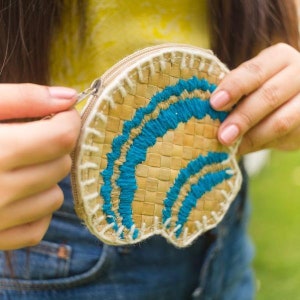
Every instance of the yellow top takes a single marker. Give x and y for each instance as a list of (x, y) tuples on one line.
[(116, 28)]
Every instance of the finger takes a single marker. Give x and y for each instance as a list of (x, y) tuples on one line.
[(28, 181), (278, 125), (26, 235), (35, 142), (31, 209), (32, 100), (250, 75), (259, 104)]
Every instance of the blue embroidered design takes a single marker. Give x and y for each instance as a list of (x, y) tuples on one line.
[(204, 185), (193, 167), (176, 113), (167, 119)]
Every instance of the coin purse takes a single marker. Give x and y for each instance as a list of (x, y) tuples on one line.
[(148, 160)]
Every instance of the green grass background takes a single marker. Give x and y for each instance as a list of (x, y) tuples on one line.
[(275, 227)]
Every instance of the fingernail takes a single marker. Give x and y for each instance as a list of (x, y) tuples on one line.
[(229, 134), (61, 92), (219, 99)]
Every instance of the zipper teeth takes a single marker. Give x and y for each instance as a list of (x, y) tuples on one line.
[(105, 79), (140, 54), (75, 152), (124, 62)]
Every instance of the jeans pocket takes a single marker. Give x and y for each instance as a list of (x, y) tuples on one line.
[(68, 256), (41, 273), (44, 261)]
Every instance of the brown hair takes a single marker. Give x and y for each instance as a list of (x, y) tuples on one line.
[(240, 28), (26, 28)]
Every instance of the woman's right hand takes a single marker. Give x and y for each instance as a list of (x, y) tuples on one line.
[(34, 157)]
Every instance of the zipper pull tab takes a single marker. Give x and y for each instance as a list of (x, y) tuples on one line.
[(92, 90)]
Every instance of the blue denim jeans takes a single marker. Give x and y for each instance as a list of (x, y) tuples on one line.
[(71, 264)]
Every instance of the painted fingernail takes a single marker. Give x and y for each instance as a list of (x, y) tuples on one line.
[(219, 99), (61, 92), (229, 134)]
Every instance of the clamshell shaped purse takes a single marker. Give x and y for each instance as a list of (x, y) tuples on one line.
[(148, 160)]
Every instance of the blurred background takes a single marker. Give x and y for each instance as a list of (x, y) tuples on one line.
[(275, 223)]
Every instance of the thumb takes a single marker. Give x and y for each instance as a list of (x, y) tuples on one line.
[(31, 100)]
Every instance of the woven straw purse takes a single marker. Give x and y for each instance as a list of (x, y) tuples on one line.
[(148, 160)]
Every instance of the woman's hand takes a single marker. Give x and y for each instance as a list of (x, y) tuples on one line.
[(34, 157), (265, 94)]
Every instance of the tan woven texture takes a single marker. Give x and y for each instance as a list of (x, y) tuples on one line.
[(117, 102)]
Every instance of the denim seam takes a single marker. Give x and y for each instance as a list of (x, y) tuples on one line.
[(216, 247), (66, 262)]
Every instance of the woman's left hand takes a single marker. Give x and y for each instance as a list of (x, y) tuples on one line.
[(264, 93)]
